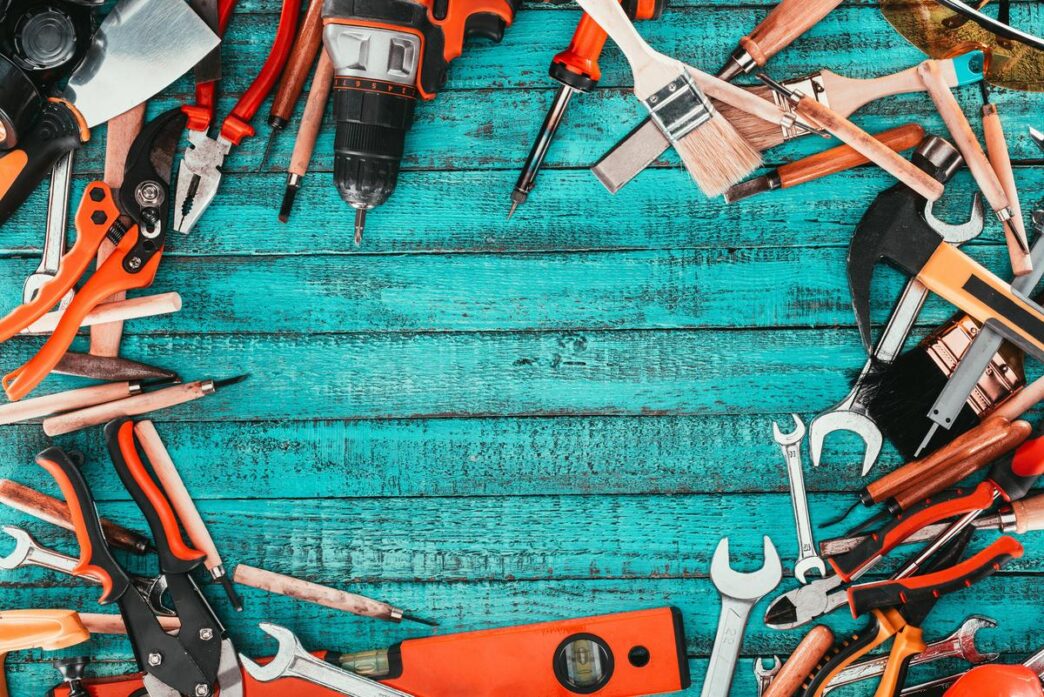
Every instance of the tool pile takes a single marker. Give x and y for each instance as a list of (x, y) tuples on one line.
[(952, 406)]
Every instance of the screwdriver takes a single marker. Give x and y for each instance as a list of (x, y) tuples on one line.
[(302, 57), (577, 70)]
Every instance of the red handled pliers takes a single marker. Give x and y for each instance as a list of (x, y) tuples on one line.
[(200, 173)]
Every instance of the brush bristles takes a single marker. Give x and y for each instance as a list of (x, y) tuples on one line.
[(761, 134), (717, 156)]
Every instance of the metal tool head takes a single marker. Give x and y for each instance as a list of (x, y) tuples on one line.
[(966, 636), (24, 542), (845, 420), (794, 436), (198, 179), (960, 233), (762, 672), (745, 586), (289, 647), (1037, 137), (806, 564), (145, 192)]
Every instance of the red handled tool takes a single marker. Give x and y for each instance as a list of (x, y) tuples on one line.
[(577, 70), (134, 219), (199, 175)]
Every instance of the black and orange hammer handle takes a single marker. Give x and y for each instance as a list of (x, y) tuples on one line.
[(176, 556), (870, 596), (60, 130), (96, 560)]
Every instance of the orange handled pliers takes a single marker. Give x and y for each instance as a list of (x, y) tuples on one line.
[(199, 174), (134, 218)]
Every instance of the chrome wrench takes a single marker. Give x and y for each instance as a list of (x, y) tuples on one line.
[(790, 444), (54, 233), (739, 594), (765, 675)]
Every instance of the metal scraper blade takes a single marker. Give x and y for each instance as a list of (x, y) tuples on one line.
[(110, 369), (208, 69), (141, 47)]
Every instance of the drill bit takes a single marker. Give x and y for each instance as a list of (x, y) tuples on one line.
[(360, 225)]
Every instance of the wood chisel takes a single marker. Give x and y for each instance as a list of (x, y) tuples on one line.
[(308, 133)]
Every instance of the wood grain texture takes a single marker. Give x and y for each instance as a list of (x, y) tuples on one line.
[(491, 423)]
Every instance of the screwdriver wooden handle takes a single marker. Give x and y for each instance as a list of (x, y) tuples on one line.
[(1029, 514), (1022, 401), (1010, 436), (51, 510), (802, 662), (786, 22), (97, 623), (312, 120), (135, 308), (1000, 161), (844, 157), (38, 407), (314, 593), (131, 406), (302, 58), (871, 148)]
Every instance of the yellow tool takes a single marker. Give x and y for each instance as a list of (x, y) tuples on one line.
[(31, 629)]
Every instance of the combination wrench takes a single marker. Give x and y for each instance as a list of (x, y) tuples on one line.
[(790, 444), (54, 233), (739, 594), (765, 675)]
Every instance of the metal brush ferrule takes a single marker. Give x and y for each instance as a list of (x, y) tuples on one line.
[(809, 86), (1002, 376), (679, 108)]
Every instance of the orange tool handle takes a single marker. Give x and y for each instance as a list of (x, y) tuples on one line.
[(96, 560), (908, 643), (877, 544), (175, 555), (786, 22), (888, 624), (302, 58), (237, 126), (455, 25), (926, 587), (201, 113), (581, 57), (843, 157)]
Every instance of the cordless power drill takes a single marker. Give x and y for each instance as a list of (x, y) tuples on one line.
[(387, 54)]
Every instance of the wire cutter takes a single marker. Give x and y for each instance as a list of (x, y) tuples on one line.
[(201, 655), (134, 218), (199, 175)]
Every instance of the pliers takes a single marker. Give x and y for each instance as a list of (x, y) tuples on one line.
[(201, 656), (199, 175), (134, 218)]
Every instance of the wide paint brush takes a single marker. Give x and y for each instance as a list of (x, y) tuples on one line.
[(713, 152)]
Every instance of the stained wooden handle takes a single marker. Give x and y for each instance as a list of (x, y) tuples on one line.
[(180, 499), (312, 592), (843, 157), (51, 510), (97, 623), (1000, 161), (135, 308), (131, 406), (737, 97), (1010, 438), (802, 661), (1029, 514), (1022, 401), (58, 402), (312, 120), (302, 58), (871, 148), (786, 22)]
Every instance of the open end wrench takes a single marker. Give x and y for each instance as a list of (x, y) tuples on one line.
[(765, 675), (790, 444), (292, 661), (740, 592), (850, 414), (54, 233)]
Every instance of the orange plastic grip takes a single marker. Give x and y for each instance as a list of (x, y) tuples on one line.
[(158, 500), (460, 11), (1028, 460), (581, 57)]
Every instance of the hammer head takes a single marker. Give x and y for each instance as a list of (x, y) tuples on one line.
[(279, 666)]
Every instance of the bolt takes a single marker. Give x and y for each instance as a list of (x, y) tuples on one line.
[(206, 634), (202, 690), (134, 263), (149, 194), (155, 659)]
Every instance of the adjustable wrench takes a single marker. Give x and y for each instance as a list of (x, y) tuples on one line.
[(790, 444), (960, 644), (850, 414), (292, 661), (739, 594), (765, 675), (54, 233)]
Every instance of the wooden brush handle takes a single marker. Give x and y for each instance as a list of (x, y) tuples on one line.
[(312, 592), (135, 308), (871, 148), (302, 58), (180, 499), (51, 510), (1029, 514), (1022, 401), (945, 477), (963, 136), (131, 406), (786, 22), (312, 120), (737, 97), (1000, 161), (38, 407), (802, 662), (97, 623), (646, 64), (843, 157)]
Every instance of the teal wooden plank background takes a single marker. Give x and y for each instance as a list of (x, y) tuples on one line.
[(494, 423)]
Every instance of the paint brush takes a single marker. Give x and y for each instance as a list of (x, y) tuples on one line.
[(713, 152)]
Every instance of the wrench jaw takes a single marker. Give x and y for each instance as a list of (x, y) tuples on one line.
[(803, 566), (791, 438), (845, 420), (965, 637), (289, 646), (744, 586), (23, 545)]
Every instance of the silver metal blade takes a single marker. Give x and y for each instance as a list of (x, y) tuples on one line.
[(140, 48), (208, 69)]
